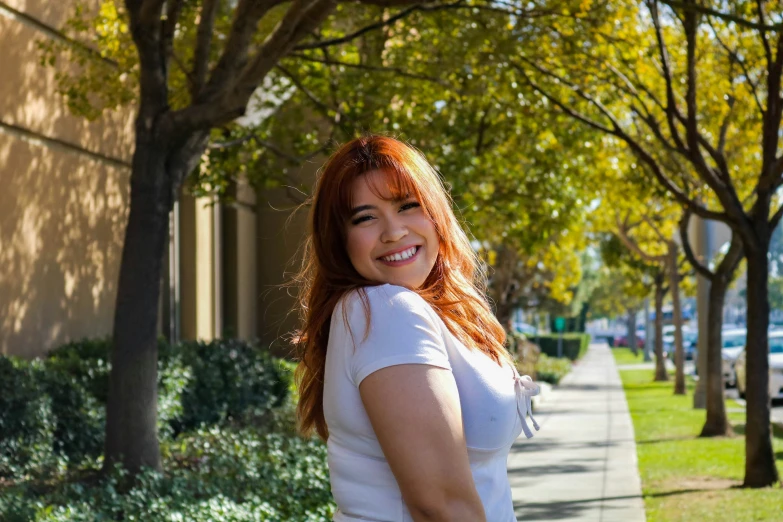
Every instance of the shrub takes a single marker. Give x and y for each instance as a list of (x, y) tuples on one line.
[(574, 344), (199, 384), (79, 420), (552, 369), (231, 380), (215, 474), (26, 421), (52, 412)]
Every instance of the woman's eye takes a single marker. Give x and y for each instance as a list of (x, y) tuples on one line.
[(411, 204), (361, 219)]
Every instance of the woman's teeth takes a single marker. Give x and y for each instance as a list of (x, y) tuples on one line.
[(401, 256)]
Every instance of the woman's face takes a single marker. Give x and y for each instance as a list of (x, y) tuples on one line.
[(389, 241)]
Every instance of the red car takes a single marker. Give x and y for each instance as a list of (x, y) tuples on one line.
[(622, 340)]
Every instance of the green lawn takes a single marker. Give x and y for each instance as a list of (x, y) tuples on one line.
[(626, 356), (685, 478)]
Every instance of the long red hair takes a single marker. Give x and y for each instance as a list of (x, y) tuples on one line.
[(455, 288)]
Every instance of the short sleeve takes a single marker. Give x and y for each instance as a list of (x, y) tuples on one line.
[(402, 330)]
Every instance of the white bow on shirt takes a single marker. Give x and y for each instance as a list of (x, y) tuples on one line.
[(525, 389)]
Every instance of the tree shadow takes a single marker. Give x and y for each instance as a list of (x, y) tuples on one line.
[(668, 439), (568, 509), (63, 203)]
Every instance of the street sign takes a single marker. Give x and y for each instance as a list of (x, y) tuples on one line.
[(559, 324)]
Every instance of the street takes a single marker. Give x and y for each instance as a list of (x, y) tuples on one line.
[(777, 406)]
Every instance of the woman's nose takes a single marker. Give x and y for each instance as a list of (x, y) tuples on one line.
[(393, 231)]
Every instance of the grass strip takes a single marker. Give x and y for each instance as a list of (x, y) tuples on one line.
[(686, 478), (626, 356)]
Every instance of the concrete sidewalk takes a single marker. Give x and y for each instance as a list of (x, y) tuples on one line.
[(582, 465)]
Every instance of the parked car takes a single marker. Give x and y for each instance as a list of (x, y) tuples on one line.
[(527, 329), (775, 367), (733, 342), (689, 341), (622, 340)]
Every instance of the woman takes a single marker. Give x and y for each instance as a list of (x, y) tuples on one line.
[(403, 367)]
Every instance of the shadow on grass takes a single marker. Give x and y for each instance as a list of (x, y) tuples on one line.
[(777, 430), (571, 509), (668, 439)]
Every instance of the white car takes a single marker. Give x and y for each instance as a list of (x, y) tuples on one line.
[(733, 343), (689, 337), (775, 367)]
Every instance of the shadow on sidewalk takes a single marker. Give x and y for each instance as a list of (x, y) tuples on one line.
[(590, 387), (562, 510)]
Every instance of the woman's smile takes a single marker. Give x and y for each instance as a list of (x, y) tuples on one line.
[(401, 257)]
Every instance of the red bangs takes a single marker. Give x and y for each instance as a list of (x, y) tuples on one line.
[(395, 184)]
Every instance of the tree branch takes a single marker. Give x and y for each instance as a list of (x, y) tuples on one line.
[(686, 247), (379, 25), (622, 233), (770, 176), (236, 51), (149, 10), (395, 70), (773, 223), (721, 182), (617, 130), (693, 7), (201, 54), (672, 112), (734, 56), (655, 229), (145, 28), (173, 9), (762, 34), (322, 107)]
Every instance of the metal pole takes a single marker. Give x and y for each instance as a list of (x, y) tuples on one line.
[(560, 345)]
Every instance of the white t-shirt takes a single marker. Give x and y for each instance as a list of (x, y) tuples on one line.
[(404, 329)]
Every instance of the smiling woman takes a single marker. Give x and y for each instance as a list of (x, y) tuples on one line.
[(389, 239), (403, 367)]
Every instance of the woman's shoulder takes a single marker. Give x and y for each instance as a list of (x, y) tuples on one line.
[(385, 296), (385, 302)]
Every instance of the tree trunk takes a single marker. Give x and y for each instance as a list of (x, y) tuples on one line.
[(660, 365), (760, 470), (679, 353), (503, 313), (158, 169), (716, 423), (131, 409), (632, 331)]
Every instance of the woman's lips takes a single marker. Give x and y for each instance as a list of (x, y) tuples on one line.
[(402, 262)]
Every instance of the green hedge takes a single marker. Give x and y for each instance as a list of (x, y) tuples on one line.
[(52, 411), (551, 369), (226, 474), (574, 344), (226, 414)]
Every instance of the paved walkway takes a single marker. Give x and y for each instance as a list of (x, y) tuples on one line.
[(581, 466)]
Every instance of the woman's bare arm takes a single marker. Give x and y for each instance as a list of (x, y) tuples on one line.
[(415, 412)]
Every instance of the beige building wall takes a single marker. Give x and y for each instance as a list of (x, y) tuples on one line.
[(282, 226), (64, 184), (63, 195)]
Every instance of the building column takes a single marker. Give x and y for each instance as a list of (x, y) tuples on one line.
[(200, 271), (240, 290)]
